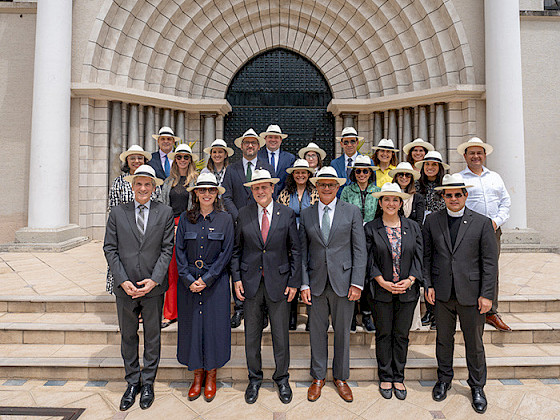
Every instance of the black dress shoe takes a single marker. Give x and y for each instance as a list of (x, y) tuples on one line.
[(386, 393), (427, 318), (252, 392), (433, 325), (353, 325), (293, 321), (367, 323), (399, 393), (479, 402), (439, 392), (236, 319), (285, 392), (129, 396), (146, 396)]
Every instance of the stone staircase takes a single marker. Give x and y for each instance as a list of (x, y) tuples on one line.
[(77, 338)]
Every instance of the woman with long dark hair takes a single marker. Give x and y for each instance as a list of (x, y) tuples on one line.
[(405, 176), (385, 158), (204, 245), (218, 159), (416, 150)]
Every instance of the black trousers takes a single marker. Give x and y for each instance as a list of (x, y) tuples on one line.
[(494, 309), (392, 325), (128, 310), (279, 326), (472, 326)]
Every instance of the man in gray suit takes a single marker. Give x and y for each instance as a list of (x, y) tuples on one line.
[(138, 248), (460, 269), (334, 262)]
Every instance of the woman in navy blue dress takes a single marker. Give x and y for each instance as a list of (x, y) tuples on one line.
[(204, 245)]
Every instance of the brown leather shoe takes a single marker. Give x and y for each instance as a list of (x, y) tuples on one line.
[(210, 385), (496, 321), (314, 391), (196, 387), (343, 390)]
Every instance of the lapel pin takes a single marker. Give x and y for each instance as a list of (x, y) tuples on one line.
[(464, 221), (405, 232), (278, 213), (211, 229)]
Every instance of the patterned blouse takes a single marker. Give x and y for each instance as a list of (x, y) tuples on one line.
[(434, 200), (394, 235)]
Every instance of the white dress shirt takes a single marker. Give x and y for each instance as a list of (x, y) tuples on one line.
[(253, 165), (488, 196), (146, 212), (353, 157), (269, 210)]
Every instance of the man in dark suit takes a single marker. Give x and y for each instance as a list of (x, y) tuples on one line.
[(278, 159), (138, 248), (334, 262), (237, 195), (460, 267), (266, 270), (160, 160)]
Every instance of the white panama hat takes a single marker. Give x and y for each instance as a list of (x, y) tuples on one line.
[(326, 173), (135, 150), (433, 156), (452, 181), (168, 132), (312, 147), (219, 144), (405, 167), (363, 161), (418, 142), (183, 148), (392, 189), (273, 130), (386, 144), (474, 141), (207, 180), (250, 133), (300, 164), (259, 176), (349, 132), (144, 170)]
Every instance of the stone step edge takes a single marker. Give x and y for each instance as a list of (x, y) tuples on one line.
[(529, 248)]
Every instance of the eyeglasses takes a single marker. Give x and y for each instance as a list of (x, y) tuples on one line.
[(181, 157), (361, 171), (405, 175), (210, 190), (136, 158), (326, 186), (456, 195), (347, 142), (250, 143)]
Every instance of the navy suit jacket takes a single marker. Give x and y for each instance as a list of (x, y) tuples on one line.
[(340, 165), (285, 161), (155, 163), (237, 195)]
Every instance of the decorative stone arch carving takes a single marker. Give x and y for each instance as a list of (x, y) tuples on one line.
[(365, 48)]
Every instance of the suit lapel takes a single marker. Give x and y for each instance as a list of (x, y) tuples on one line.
[(275, 221), (383, 233), (338, 214), (129, 210), (315, 222), (255, 222), (152, 218), (465, 224), (242, 176), (442, 219)]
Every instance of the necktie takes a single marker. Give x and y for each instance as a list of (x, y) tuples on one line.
[(272, 163), (249, 174), (167, 167), (140, 218), (265, 225), (326, 224), (349, 167)]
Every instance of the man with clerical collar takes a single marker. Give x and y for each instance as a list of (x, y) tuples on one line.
[(460, 269)]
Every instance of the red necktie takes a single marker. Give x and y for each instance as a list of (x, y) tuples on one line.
[(265, 225)]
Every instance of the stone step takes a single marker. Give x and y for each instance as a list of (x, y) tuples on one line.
[(106, 303), (103, 362), (60, 328), (529, 248)]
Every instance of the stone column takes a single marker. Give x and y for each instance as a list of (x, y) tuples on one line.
[(393, 128), (115, 141), (180, 126), (209, 129), (408, 114), (133, 125), (423, 123), (377, 127), (349, 120), (149, 128), (440, 138), (49, 191), (504, 102)]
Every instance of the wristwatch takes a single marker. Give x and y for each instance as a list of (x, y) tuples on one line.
[(412, 283)]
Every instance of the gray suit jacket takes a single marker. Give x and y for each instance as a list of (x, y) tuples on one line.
[(472, 264), (343, 258), (131, 257)]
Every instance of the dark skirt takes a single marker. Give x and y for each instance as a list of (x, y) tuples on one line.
[(204, 331)]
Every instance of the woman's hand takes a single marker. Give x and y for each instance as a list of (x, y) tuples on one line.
[(197, 286), (402, 286)]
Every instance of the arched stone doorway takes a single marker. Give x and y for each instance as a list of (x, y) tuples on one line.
[(281, 87)]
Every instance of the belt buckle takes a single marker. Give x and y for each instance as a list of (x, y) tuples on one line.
[(199, 264)]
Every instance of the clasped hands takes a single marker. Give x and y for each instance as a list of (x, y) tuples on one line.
[(197, 286), (144, 287), (395, 288)]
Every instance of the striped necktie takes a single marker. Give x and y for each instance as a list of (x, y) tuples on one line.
[(140, 221), (326, 224), (265, 225)]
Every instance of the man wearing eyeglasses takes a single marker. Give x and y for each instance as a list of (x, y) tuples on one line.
[(460, 269), (349, 141)]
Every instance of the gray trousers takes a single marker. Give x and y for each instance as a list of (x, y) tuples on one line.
[(128, 310), (494, 309), (279, 313), (341, 310)]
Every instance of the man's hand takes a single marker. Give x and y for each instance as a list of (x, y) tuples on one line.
[(148, 285), (130, 289), (291, 292), (494, 225), (306, 296), (430, 296), (197, 286), (354, 293), (239, 291), (484, 304)]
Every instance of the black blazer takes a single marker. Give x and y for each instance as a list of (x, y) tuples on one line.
[(285, 161), (418, 209), (155, 162), (472, 263), (380, 258), (236, 195), (279, 258)]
